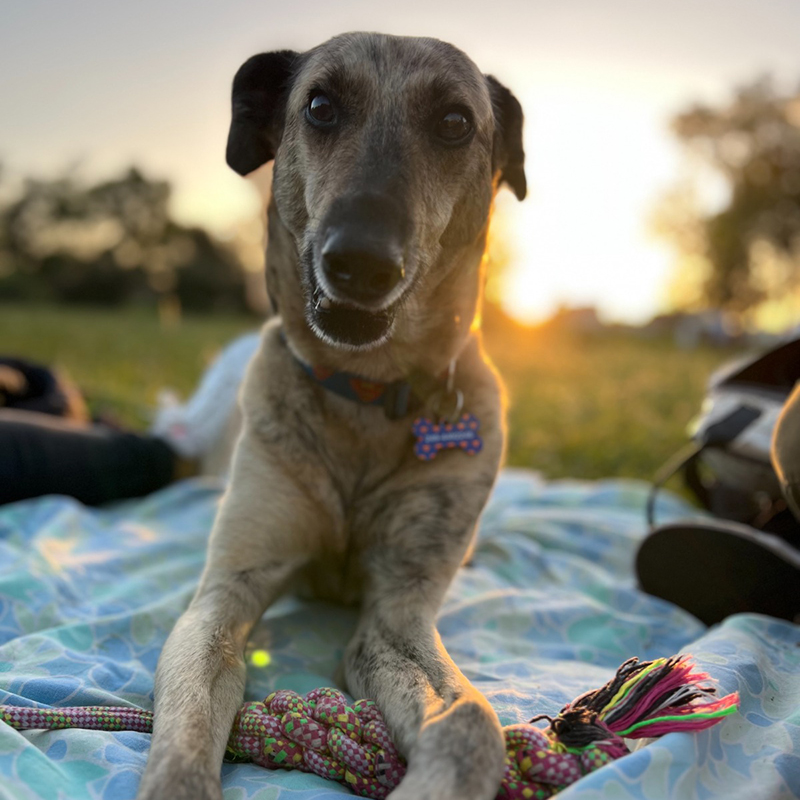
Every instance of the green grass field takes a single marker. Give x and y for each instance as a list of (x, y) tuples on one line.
[(587, 408)]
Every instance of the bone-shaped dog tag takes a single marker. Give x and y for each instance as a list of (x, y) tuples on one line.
[(433, 437)]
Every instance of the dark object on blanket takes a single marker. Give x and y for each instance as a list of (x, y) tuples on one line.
[(716, 568), (29, 386), (322, 734), (743, 465), (49, 446)]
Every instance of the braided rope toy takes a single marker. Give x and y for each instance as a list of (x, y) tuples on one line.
[(323, 734)]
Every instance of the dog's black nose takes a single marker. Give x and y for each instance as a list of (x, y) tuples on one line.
[(363, 243), (363, 271)]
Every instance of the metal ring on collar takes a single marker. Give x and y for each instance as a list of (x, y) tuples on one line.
[(437, 404)]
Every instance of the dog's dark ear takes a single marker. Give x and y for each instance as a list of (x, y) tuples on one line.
[(509, 157), (259, 98)]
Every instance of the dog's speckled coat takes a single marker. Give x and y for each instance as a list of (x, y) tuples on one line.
[(327, 491)]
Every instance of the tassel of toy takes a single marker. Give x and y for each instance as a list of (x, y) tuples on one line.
[(644, 699)]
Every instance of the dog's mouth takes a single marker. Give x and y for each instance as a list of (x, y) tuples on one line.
[(344, 324)]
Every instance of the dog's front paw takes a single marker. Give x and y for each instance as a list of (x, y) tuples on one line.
[(179, 780), (459, 755)]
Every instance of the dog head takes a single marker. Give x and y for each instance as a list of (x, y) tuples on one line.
[(388, 151)]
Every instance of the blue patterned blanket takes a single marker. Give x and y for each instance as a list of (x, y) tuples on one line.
[(547, 610)]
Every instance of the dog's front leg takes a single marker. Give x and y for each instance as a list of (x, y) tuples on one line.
[(199, 686), (446, 729), (254, 549)]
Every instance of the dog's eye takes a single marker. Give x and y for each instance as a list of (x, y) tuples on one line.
[(453, 127), (320, 110)]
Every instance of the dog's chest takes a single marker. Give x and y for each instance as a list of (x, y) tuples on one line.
[(360, 463), (335, 578)]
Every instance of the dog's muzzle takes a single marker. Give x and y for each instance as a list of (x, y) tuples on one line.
[(358, 270)]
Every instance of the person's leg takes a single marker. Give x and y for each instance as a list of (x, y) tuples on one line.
[(41, 454), (786, 451)]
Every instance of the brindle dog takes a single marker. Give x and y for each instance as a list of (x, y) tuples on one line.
[(388, 152)]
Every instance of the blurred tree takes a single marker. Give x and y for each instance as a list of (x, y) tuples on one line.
[(748, 252), (212, 279), (110, 243)]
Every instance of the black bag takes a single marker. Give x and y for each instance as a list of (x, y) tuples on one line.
[(727, 465), (748, 558)]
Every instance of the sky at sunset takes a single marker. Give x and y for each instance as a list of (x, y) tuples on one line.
[(106, 84)]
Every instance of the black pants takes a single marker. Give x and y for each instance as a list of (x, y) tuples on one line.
[(42, 454)]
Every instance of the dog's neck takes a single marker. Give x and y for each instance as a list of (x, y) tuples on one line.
[(430, 330)]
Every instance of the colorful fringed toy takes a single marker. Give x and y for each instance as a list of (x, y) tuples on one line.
[(322, 733)]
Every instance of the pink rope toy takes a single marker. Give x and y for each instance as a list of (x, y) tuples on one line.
[(323, 734)]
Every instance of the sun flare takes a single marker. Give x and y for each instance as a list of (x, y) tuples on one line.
[(596, 163)]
